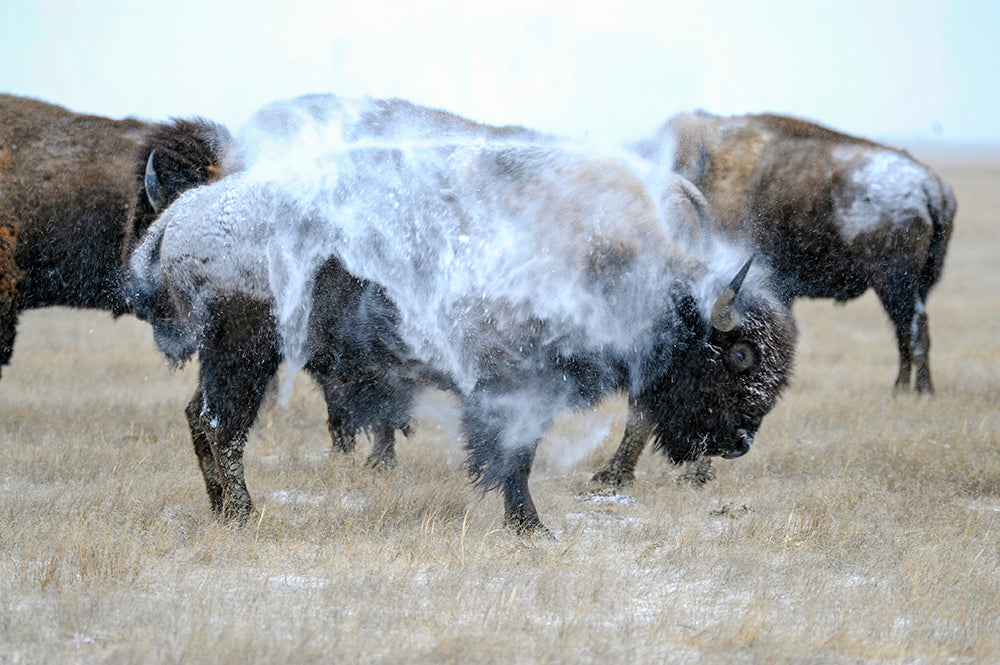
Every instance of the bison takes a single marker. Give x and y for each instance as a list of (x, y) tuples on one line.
[(525, 277), (832, 214), (65, 193)]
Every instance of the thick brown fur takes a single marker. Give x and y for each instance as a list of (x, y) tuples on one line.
[(186, 153), (65, 193), (784, 186)]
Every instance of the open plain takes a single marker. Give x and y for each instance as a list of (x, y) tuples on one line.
[(862, 527)]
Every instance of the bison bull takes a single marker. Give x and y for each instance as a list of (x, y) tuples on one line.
[(525, 278), (833, 215)]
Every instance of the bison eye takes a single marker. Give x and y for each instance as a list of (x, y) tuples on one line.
[(740, 357)]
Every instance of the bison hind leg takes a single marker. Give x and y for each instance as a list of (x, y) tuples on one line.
[(920, 339), (499, 464), (902, 302)]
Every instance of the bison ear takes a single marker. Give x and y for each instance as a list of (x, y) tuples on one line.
[(724, 314), (154, 192)]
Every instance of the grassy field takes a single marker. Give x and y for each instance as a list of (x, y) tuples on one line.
[(862, 527)]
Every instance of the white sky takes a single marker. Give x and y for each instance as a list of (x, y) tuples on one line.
[(915, 71)]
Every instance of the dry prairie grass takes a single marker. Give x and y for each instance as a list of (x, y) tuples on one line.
[(861, 528)]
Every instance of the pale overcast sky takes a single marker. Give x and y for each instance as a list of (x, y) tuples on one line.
[(922, 70)]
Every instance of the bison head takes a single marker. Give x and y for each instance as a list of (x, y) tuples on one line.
[(175, 157), (724, 377)]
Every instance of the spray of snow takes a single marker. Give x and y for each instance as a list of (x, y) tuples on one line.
[(474, 240)]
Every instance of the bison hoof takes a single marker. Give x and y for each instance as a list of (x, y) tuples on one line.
[(612, 476), (529, 527), (381, 461), (696, 473), (342, 442), (238, 515)]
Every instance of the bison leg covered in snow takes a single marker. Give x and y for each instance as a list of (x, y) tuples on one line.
[(833, 215), (526, 279)]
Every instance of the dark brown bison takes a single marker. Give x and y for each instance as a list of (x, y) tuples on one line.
[(833, 215), (526, 278), (65, 193)]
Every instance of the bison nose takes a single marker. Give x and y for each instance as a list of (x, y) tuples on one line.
[(743, 442)]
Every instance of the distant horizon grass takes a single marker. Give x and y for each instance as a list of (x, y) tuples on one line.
[(862, 527)]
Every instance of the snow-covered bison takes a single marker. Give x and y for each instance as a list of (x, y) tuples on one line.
[(65, 193), (526, 278), (833, 215)]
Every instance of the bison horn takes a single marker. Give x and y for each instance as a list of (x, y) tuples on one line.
[(154, 192), (724, 315)]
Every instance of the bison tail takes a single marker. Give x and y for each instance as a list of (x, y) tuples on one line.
[(942, 208)]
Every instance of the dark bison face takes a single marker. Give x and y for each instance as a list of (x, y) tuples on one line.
[(717, 390)]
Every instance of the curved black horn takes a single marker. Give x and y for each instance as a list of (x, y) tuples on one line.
[(724, 315), (154, 193)]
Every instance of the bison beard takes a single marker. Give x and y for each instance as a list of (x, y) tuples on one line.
[(526, 279)]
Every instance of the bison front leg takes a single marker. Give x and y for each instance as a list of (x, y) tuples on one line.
[(383, 455), (219, 433), (520, 513), (203, 451), (239, 356), (343, 438), (338, 416), (620, 469)]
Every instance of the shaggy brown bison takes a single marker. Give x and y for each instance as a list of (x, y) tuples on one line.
[(833, 215), (526, 278), (65, 193)]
